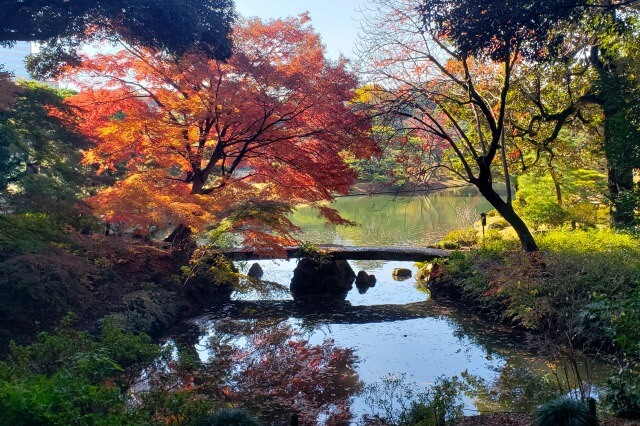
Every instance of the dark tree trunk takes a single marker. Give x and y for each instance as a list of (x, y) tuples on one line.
[(619, 181), (197, 185), (506, 211), (182, 244)]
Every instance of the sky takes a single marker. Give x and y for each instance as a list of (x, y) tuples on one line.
[(335, 20)]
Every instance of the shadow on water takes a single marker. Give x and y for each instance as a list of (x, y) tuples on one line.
[(324, 312)]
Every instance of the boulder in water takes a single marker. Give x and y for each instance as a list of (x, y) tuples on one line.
[(365, 281), (255, 271), (401, 273), (362, 279), (313, 278)]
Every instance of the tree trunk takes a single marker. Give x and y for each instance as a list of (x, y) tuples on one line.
[(505, 167), (556, 184), (506, 211), (182, 244), (197, 185), (619, 181)]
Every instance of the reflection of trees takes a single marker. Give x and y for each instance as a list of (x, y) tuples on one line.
[(525, 382), (531, 374), (258, 362), (269, 369), (386, 220), (516, 388), (368, 265)]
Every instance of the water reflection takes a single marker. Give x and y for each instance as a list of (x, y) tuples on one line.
[(393, 328), (516, 388), (385, 220), (269, 369), (276, 357)]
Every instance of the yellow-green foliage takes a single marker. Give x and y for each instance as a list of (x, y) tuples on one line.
[(498, 224), (581, 198), (591, 242), (580, 284), (457, 238)]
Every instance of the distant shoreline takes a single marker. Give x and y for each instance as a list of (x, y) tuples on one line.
[(370, 188)]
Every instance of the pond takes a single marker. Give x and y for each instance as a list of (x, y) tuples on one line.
[(325, 360), (385, 220)]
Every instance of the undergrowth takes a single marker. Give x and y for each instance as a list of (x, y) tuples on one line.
[(582, 289)]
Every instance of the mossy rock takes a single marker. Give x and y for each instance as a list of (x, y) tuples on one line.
[(313, 278), (401, 273)]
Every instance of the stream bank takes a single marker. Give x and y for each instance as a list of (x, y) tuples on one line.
[(578, 295), (96, 276)]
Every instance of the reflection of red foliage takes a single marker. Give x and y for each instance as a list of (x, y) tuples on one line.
[(279, 375), (267, 370)]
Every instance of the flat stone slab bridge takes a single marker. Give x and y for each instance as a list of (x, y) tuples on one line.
[(415, 254)]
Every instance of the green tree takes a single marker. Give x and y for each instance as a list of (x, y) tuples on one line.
[(177, 26), (551, 32), (616, 58), (40, 167)]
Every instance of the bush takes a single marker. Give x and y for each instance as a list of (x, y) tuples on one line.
[(496, 242), (544, 212), (466, 237), (622, 395), (37, 290), (70, 377), (461, 276), (230, 417), (27, 233), (209, 277), (564, 412), (447, 245), (582, 282), (498, 224), (150, 311), (586, 214), (594, 241)]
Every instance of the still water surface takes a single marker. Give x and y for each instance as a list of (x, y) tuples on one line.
[(277, 357), (385, 220)]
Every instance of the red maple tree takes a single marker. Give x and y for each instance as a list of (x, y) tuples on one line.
[(194, 137)]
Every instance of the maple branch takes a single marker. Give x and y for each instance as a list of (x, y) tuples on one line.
[(167, 78)]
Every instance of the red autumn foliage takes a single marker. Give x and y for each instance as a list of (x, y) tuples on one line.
[(194, 137)]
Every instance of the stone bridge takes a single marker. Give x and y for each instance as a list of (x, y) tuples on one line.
[(414, 254)]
